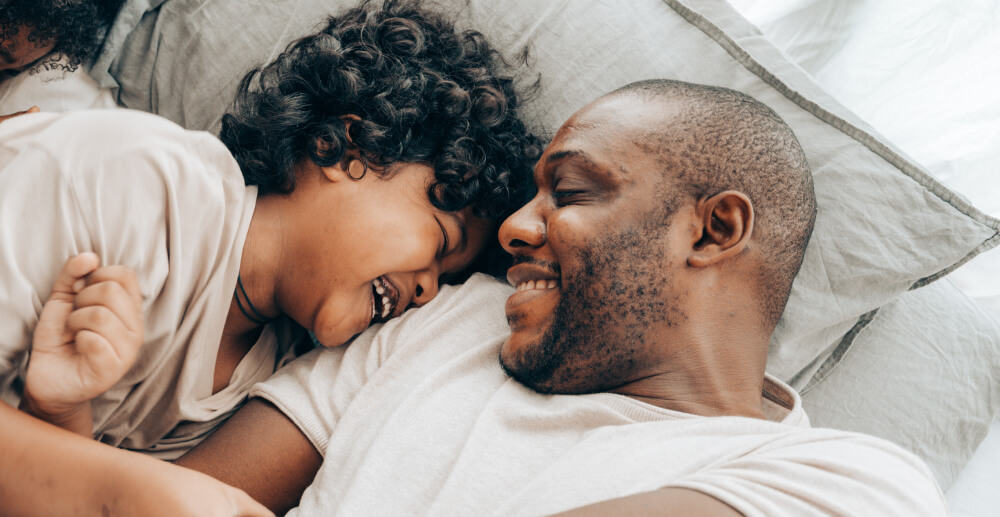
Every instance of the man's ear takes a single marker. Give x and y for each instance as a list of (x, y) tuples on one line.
[(726, 227)]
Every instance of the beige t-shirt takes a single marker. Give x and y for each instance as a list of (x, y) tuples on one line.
[(139, 191), (416, 417), (50, 87)]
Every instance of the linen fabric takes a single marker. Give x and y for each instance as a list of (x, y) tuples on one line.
[(417, 417), (142, 192), (940, 374)]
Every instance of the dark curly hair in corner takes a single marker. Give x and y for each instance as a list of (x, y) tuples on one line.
[(424, 93), (77, 27)]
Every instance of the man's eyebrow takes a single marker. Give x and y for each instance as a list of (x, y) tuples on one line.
[(598, 169), (575, 154)]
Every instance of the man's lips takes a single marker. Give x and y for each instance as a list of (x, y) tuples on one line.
[(526, 269), (532, 281)]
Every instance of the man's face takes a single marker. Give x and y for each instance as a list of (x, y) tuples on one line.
[(593, 265)]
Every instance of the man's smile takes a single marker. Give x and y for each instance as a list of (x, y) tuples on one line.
[(533, 280)]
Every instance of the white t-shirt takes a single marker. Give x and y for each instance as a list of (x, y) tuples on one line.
[(142, 192), (416, 417)]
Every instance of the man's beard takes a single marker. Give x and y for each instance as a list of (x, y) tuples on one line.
[(597, 337)]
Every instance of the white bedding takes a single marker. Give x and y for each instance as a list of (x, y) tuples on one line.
[(924, 74)]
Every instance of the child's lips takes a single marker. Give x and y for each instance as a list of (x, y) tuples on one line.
[(385, 299)]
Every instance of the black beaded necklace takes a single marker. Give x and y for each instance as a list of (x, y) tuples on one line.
[(257, 317)]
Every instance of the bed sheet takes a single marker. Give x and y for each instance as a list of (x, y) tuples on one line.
[(924, 74)]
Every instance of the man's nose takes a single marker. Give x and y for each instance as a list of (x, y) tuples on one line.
[(524, 229)]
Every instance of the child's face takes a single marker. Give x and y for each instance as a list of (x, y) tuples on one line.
[(377, 246), (17, 52)]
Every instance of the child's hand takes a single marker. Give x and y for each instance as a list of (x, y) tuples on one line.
[(33, 109), (87, 338)]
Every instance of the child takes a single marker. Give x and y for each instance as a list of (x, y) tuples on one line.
[(377, 155)]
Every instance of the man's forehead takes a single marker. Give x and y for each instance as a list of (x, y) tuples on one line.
[(625, 110), (610, 128)]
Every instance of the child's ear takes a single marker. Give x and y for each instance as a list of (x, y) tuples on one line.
[(349, 120), (352, 167), (726, 224)]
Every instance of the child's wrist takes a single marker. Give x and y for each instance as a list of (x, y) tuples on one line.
[(74, 417)]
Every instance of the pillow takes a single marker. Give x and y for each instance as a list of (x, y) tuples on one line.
[(933, 391), (125, 22), (884, 225), (184, 58)]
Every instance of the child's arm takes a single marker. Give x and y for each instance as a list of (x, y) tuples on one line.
[(45, 470), (33, 109), (87, 338)]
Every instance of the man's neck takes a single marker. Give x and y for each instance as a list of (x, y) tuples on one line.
[(716, 374), (703, 397)]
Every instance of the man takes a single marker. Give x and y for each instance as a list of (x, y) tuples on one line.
[(650, 270)]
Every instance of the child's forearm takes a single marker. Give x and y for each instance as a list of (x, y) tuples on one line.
[(45, 470)]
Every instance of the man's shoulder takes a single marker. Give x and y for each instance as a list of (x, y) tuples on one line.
[(852, 469), (472, 312), (763, 467)]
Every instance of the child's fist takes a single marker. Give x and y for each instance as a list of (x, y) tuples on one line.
[(87, 337)]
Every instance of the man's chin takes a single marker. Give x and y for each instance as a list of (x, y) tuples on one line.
[(524, 363)]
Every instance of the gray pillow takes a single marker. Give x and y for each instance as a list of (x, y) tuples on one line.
[(923, 374)]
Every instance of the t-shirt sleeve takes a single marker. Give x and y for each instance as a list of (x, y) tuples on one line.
[(823, 472), (39, 228), (315, 390), (111, 182)]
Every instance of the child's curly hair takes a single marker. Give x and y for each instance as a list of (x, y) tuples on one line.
[(424, 93), (77, 27)]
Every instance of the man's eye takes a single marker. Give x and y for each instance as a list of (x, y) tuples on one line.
[(567, 197)]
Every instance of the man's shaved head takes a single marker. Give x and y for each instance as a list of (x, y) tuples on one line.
[(721, 139)]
